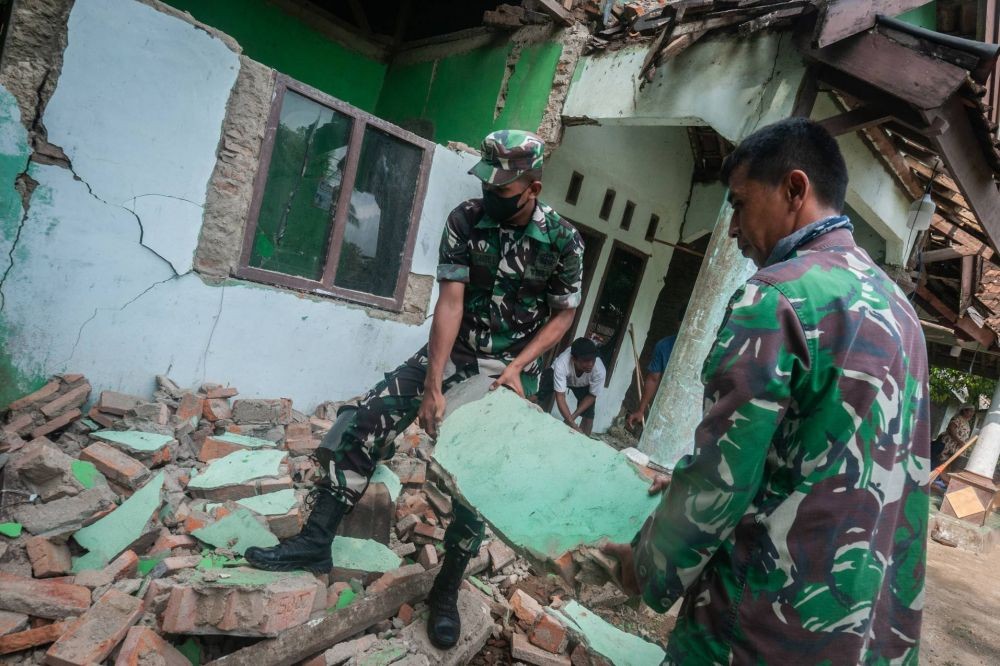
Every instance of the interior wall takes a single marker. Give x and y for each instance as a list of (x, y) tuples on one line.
[(650, 166)]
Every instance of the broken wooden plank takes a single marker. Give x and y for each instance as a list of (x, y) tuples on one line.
[(886, 149), (960, 236), (556, 11), (968, 284), (937, 305), (768, 20), (922, 81), (945, 254), (308, 639), (844, 18), (855, 120), (980, 334)]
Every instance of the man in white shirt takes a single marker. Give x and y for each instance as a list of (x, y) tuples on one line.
[(582, 372)]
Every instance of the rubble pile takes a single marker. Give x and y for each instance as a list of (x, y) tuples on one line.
[(124, 528)]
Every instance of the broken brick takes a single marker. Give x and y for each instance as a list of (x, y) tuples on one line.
[(248, 603), (116, 465), (298, 431), (156, 412), (406, 525), (144, 646), (69, 400), (100, 417), (412, 503), (56, 423), (501, 555), (301, 447), (168, 566), (221, 392), (48, 559), (521, 649), (124, 566), (119, 404), (42, 598), (168, 541), (427, 557), (334, 591), (190, 407), (216, 409), (549, 634), (46, 470), (405, 613), (32, 637), (428, 531), (410, 470), (525, 607), (277, 411), (11, 623), (91, 639), (41, 394), (390, 578)]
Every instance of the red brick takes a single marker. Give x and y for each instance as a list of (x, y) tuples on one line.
[(11, 623), (20, 425), (201, 606), (92, 638), (143, 646), (286, 525), (112, 402), (301, 447), (48, 559), (168, 541), (42, 598), (222, 392), (390, 578), (68, 400), (500, 555), (124, 566), (318, 660), (100, 417), (32, 637), (428, 531), (298, 431), (216, 409), (71, 378), (522, 650), (410, 471), (46, 391), (567, 568), (117, 465), (56, 423), (168, 566), (427, 557), (405, 613), (217, 448), (525, 607), (411, 503), (190, 406), (549, 634), (406, 525)]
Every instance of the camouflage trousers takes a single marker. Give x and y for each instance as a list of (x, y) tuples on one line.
[(366, 429)]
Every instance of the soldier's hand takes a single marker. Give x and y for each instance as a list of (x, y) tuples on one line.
[(431, 411), (634, 419), (623, 553), (660, 483), (511, 378)]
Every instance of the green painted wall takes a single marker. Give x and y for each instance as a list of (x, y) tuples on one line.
[(292, 47), (924, 16), (454, 98)]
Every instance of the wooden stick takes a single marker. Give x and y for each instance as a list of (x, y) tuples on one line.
[(638, 372), (315, 636), (940, 468)]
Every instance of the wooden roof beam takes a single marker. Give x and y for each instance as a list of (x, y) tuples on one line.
[(854, 120), (844, 18)]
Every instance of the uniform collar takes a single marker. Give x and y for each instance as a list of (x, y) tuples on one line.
[(536, 228), (787, 245)]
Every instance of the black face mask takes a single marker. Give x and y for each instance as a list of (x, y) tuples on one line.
[(501, 209)]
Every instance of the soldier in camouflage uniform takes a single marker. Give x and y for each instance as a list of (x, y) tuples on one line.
[(510, 273), (796, 532)]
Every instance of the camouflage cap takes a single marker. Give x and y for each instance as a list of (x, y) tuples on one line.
[(507, 154)]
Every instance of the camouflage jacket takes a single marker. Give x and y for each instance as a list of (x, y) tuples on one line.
[(797, 531), (514, 277)]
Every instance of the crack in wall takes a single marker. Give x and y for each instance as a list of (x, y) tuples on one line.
[(766, 83), (211, 334), (687, 208), (26, 182)]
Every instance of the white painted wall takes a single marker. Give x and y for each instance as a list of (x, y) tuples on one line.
[(650, 166), (139, 108)]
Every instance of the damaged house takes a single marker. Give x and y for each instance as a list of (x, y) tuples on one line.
[(253, 191)]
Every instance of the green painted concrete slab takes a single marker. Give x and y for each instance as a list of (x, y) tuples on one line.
[(86, 473), (135, 439), (12, 530), (245, 440), (617, 646), (115, 532), (385, 475), (239, 467), (237, 532), (270, 504), (543, 486), (363, 555)]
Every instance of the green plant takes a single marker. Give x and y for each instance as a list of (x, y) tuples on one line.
[(946, 382)]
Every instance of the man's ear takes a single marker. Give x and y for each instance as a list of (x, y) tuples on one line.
[(797, 188), (536, 187)]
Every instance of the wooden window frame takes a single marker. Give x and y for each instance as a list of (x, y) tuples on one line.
[(574, 188), (631, 304), (360, 122)]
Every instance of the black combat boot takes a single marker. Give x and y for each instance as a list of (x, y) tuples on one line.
[(310, 548), (444, 625)]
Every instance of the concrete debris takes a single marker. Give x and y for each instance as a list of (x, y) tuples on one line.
[(136, 509)]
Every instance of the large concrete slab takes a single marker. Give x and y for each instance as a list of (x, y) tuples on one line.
[(109, 536), (236, 532), (363, 555), (544, 488), (238, 468)]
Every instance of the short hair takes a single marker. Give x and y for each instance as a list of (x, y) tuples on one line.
[(794, 143), (583, 349)]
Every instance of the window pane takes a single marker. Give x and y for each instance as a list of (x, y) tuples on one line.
[(379, 218), (303, 183), (609, 322)]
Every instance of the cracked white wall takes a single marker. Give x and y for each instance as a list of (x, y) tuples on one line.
[(138, 109)]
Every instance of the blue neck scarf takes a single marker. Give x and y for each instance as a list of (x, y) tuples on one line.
[(797, 239)]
